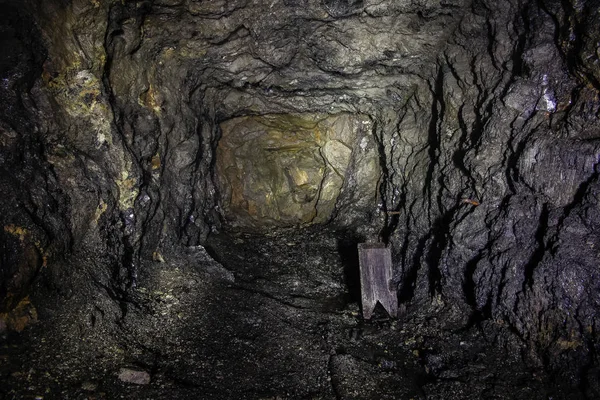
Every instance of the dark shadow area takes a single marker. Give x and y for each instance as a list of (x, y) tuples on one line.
[(214, 254), (347, 246), (409, 281), (380, 315)]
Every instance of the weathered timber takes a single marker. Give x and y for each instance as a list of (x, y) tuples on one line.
[(375, 260)]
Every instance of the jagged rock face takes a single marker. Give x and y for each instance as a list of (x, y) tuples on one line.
[(484, 115), (32, 225), (292, 170)]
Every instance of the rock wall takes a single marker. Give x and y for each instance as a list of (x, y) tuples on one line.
[(33, 226), (485, 116), (287, 170), (496, 178)]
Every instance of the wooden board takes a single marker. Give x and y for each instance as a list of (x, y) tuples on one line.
[(375, 261)]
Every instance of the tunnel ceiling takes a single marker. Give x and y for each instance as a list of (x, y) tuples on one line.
[(125, 127), (258, 57)]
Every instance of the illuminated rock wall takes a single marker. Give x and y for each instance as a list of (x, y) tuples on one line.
[(291, 170)]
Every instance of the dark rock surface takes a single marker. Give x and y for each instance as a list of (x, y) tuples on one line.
[(277, 325), (485, 117)]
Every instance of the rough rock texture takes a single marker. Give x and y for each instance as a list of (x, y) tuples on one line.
[(293, 170), (485, 120), (278, 324)]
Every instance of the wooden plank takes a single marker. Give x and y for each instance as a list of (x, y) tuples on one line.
[(375, 261)]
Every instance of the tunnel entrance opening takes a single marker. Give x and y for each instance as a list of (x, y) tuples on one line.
[(295, 170)]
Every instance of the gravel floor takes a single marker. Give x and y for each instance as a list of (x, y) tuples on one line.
[(276, 318)]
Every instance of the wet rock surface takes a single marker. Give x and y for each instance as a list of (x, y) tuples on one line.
[(484, 117)]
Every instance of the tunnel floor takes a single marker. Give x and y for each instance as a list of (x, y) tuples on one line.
[(277, 317)]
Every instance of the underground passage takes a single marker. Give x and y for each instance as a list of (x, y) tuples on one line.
[(333, 199), (290, 170)]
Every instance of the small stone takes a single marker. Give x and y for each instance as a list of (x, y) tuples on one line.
[(89, 386), (156, 256), (133, 376)]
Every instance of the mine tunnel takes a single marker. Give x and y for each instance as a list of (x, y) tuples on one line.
[(185, 187)]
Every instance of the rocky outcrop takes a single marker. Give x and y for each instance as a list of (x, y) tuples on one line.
[(507, 160), (33, 227), (294, 170), (484, 117)]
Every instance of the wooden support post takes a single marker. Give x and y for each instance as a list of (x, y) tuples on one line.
[(375, 261)]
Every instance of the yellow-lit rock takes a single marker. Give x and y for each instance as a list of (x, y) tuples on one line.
[(287, 170)]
